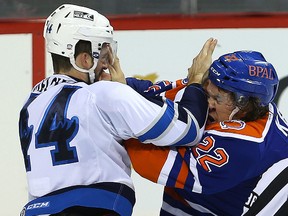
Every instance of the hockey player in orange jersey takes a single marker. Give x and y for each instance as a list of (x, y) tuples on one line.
[(245, 134)]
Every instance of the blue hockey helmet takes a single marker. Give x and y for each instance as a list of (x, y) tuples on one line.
[(246, 74)]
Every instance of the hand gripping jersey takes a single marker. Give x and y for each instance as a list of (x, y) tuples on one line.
[(217, 176), (71, 136)]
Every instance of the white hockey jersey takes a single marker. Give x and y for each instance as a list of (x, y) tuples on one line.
[(71, 135)]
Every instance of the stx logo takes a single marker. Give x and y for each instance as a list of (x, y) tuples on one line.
[(259, 71)]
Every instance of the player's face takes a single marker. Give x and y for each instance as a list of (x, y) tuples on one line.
[(220, 103)]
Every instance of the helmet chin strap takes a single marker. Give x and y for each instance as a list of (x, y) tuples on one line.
[(236, 110), (90, 72)]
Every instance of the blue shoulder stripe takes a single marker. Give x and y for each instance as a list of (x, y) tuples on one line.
[(191, 134), (162, 124)]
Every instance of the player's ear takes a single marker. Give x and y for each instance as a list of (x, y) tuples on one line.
[(84, 60)]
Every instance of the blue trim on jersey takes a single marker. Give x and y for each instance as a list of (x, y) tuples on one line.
[(195, 100), (189, 137), (190, 180), (174, 171), (162, 124), (86, 197), (139, 85), (178, 205)]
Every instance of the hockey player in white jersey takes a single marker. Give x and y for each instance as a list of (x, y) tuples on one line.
[(71, 127)]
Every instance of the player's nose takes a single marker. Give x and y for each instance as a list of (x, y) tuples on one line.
[(211, 103)]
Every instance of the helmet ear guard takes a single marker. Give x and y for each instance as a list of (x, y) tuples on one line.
[(241, 100), (69, 24), (247, 74)]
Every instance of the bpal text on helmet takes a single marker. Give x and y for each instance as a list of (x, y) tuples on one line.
[(259, 71)]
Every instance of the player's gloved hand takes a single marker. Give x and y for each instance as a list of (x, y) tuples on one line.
[(201, 62)]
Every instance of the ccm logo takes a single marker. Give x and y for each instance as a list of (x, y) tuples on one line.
[(214, 71), (38, 205)]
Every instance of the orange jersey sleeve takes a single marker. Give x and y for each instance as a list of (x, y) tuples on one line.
[(144, 158), (155, 163), (149, 160)]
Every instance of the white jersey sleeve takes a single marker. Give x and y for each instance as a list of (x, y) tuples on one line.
[(131, 115)]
